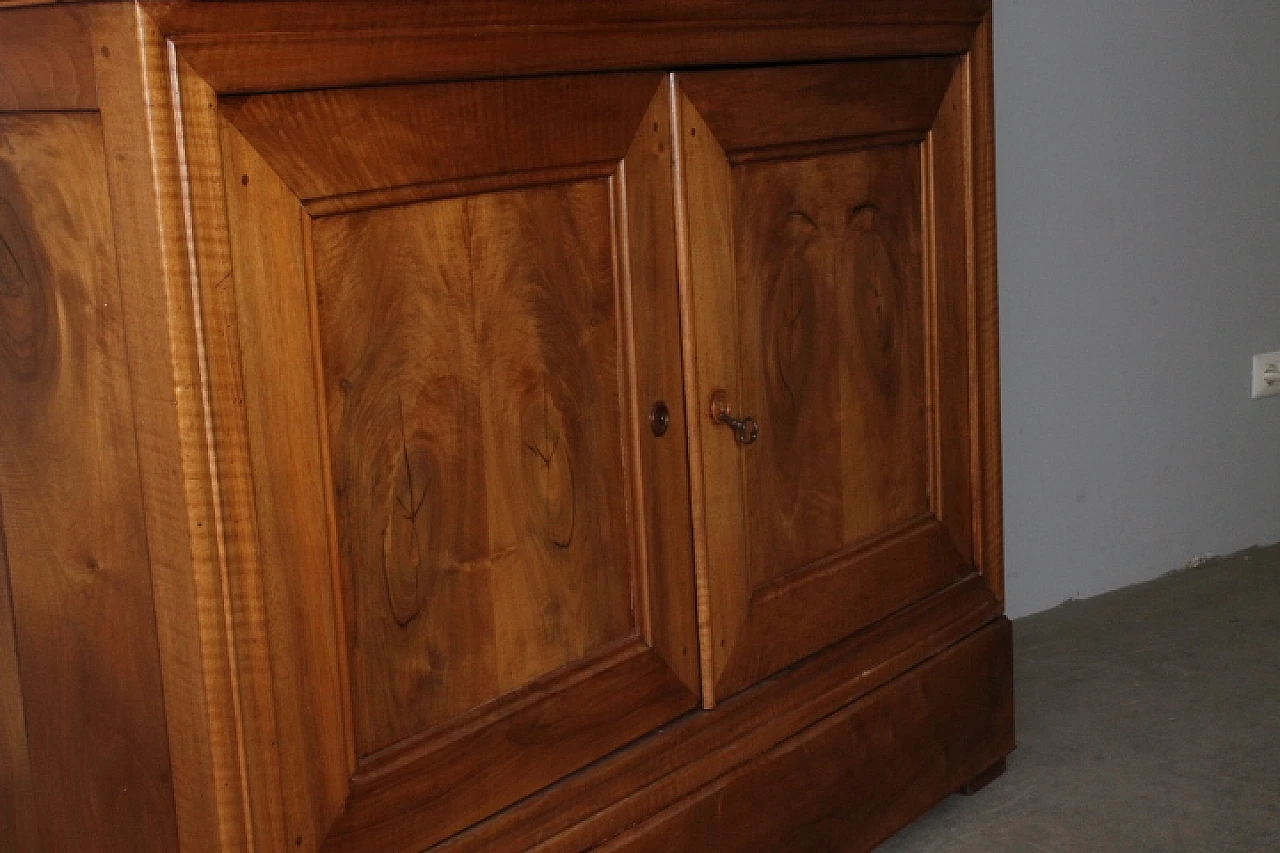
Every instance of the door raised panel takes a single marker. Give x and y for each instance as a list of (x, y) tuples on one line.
[(831, 352), (455, 308), (471, 366), (821, 308)]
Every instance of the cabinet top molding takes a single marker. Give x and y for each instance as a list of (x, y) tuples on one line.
[(317, 15), (247, 47), (288, 45)]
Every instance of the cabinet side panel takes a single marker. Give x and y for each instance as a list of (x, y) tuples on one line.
[(17, 799), (991, 503), (74, 525), (47, 61)]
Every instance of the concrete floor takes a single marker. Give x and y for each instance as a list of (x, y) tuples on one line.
[(1148, 720)]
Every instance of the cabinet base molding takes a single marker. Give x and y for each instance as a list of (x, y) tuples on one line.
[(981, 780), (843, 783), (853, 779)]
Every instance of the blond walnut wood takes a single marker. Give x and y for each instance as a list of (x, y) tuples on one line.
[(827, 298), (471, 362), (476, 492), (396, 559), (47, 60), (80, 619)]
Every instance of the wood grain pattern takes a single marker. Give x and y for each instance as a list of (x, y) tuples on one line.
[(987, 458), (472, 367), (17, 791), (475, 401), (246, 64), (710, 330), (240, 505), (196, 18), (74, 527), (343, 141), (951, 294), (182, 492), (602, 801), (865, 770), (808, 103), (407, 800), (832, 349), (255, 267), (47, 60), (263, 47), (798, 615), (651, 317), (808, 307)]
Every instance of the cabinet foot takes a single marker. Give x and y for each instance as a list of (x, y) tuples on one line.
[(980, 780)]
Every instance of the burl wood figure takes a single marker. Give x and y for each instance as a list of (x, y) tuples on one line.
[(491, 426)]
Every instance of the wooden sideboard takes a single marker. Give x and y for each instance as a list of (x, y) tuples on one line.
[(494, 426)]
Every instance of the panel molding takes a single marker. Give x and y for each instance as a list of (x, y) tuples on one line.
[(923, 559), (263, 48), (741, 620), (831, 104), (397, 136), (381, 199)]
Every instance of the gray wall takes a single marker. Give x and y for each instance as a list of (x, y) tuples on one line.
[(1138, 170)]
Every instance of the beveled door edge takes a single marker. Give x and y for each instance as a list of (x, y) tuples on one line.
[(179, 457)]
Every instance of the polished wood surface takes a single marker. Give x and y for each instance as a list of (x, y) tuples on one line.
[(951, 288), (705, 233), (47, 60), (469, 359), (948, 717), (396, 558), (81, 617), (266, 46), (401, 135), (831, 310), (204, 18), (185, 482), (987, 459), (828, 298), (18, 815), (286, 587), (647, 256), (471, 365), (602, 801), (818, 104)]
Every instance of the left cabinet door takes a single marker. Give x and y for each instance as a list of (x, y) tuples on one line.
[(444, 312)]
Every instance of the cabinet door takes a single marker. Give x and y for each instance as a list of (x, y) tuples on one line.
[(831, 292), (456, 304)]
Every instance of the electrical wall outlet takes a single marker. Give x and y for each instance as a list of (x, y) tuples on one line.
[(1266, 374)]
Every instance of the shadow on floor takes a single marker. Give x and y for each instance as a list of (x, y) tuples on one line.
[(1148, 719)]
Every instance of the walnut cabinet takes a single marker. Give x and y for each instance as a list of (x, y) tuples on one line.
[(466, 426)]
